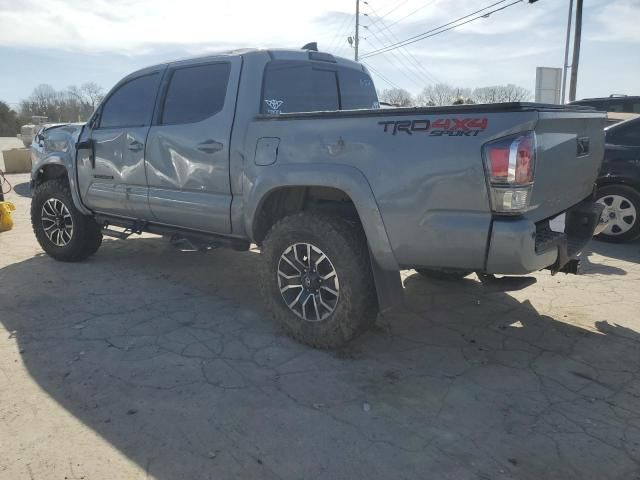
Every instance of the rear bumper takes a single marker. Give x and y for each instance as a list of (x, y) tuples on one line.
[(518, 246)]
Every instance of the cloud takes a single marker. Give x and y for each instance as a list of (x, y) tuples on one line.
[(617, 21)]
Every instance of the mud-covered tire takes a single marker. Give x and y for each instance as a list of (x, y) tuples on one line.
[(86, 236), (441, 274), (344, 244), (627, 216)]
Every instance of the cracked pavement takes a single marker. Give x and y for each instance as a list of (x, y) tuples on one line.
[(148, 362)]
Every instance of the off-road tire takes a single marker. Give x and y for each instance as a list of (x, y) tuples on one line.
[(633, 197), (441, 274), (345, 245), (87, 236)]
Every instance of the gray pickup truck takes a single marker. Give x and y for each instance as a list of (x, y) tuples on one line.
[(288, 149)]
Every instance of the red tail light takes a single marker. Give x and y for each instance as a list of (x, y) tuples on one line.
[(510, 164)]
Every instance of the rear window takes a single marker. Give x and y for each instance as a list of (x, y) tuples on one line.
[(131, 105), (302, 86), (357, 90), (195, 93), (298, 87)]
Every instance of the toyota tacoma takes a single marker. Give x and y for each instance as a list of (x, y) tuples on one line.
[(289, 150)]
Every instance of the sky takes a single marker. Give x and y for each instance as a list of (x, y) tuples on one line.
[(64, 42)]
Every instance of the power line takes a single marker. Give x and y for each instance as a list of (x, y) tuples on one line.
[(382, 77), (441, 29), (404, 67), (335, 41), (405, 52), (413, 12), (389, 12)]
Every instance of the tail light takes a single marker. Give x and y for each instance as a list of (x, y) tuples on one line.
[(509, 163)]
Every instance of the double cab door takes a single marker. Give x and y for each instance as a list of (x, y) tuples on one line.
[(161, 146)]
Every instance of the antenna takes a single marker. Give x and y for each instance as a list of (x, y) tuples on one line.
[(311, 46)]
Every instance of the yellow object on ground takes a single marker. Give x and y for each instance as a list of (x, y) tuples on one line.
[(6, 223)]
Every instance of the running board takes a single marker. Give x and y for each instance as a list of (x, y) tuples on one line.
[(200, 240)]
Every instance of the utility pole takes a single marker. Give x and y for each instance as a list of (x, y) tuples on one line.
[(356, 40), (576, 51), (566, 53)]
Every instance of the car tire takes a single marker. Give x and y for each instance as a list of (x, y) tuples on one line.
[(442, 274), (306, 257), (62, 231), (622, 206)]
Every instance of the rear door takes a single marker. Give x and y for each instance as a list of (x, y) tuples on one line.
[(113, 181), (187, 153)]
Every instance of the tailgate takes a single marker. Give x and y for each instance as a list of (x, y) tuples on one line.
[(570, 148)]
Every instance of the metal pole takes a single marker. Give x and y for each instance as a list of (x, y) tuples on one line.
[(566, 52), (576, 51), (357, 37)]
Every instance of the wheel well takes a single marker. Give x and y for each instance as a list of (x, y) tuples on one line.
[(49, 172), (289, 200)]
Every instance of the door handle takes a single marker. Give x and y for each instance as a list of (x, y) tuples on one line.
[(210, 146), (135, 146)]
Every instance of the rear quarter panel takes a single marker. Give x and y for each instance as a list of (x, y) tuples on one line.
[(430, 187)]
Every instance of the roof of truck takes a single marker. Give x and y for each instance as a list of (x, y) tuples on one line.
[(274, 53)]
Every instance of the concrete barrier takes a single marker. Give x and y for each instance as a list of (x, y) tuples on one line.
[(17, 160)]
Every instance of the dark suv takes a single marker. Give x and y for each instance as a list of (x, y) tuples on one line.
[(612, 103), (619, 181)]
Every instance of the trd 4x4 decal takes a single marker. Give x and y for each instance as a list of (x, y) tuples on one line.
[(453, 127)]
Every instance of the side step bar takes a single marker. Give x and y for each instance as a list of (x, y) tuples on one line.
[(203, 241)]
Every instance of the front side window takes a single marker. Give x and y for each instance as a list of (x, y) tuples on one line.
[(131, 105), (293, 86), (357, 90), (195, 93)]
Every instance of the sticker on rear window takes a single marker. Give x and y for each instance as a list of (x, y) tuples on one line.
[(274, 106)]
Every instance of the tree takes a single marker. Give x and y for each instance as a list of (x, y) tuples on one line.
[(501, 93), (442, 94), (398, 97), (71, 105), (8, 121)]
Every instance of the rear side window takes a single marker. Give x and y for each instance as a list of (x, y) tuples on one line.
[(357, 90), (195, 93), (131, 105), (291, 86), (631, 105), (616, 106)]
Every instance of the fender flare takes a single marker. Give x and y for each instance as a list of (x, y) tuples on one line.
[(66, 160), (352, 182)]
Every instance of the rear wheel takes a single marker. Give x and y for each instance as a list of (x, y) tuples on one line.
[(621, 209), (61, 230), (442, 274), (316, 279)]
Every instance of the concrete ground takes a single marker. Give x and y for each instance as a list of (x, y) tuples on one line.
[(149, 362)]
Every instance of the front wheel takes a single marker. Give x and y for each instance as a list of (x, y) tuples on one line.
[(61, 230), (621, 209), (316, 279)]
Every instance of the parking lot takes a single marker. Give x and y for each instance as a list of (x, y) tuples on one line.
[(146, 361)]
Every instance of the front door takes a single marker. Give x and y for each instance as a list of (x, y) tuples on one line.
[(187, 153), (113, 179)]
